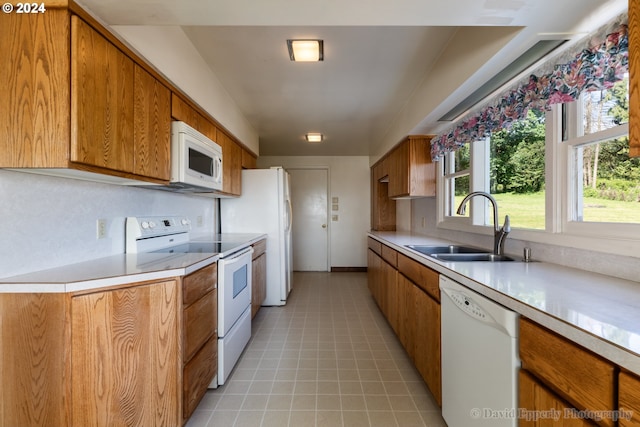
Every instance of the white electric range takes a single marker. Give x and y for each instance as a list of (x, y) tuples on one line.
[(171, 235)]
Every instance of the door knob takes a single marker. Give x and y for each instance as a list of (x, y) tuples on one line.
[(324, 225)]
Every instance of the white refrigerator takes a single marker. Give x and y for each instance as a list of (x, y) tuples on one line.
[(265, 207)]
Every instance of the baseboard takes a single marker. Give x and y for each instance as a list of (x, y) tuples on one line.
[(348, 269)]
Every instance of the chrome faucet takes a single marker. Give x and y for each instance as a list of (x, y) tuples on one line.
[(500, 233)]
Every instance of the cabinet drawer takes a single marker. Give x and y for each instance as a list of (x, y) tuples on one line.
[(199, 323), (195, 285), (375, 246), (421, 275), (582, 378), (390, 255), (629, 398), (259, 248), (198, 374)]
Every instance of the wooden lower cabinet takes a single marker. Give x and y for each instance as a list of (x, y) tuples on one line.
[(258, 276), (413, 313), (406, 315), (137, 355), (427, 341), (197, 376), (34, 372), (199, 336), (570, 372), (125, 358), (540, 407), (629, 399)]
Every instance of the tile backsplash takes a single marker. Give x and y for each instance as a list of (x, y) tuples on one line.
[(48, 222)]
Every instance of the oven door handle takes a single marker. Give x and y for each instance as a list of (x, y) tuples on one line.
[(236, 257)]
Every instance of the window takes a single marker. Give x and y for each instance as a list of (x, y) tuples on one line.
[(457, 175), (517, 171), (604, 183)]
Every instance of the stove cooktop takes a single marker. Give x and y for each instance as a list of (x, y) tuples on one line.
[(200, 248)]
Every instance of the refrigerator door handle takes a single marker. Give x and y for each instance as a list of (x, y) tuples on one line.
[(289, 215)]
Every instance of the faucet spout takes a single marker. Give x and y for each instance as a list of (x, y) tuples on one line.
[(500, 233)]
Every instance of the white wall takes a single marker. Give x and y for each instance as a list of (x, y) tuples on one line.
[(48, 222), (625, 267), (349, 181)]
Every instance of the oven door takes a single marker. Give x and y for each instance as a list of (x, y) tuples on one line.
[(234, 289)]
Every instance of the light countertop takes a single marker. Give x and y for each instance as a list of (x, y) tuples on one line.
[(119, 269), (601, 313)]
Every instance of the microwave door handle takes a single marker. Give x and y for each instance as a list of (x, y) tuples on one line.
[(218, 162)]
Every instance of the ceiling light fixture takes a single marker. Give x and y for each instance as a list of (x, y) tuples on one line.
[(314, 137), (306, 50)]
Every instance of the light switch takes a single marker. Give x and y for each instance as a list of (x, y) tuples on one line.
[(334, 200), (334, 207), (334, 217)]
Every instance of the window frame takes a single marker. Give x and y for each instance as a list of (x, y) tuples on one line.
[(573, 178)]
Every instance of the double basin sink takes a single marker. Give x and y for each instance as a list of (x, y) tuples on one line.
[(458, 253)]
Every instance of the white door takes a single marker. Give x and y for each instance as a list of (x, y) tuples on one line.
[(309, 193)]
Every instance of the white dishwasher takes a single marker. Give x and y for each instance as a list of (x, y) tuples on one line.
[(479, 359)]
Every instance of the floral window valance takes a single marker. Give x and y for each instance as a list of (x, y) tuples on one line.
[(602, 61)]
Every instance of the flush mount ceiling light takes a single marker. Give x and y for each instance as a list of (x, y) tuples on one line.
[(314, 137), (306, 50)]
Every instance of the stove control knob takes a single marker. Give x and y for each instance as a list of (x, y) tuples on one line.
[(152, 224), (185, 221), (144, 225)]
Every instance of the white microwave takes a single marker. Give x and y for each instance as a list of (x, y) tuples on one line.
[(196, 161)]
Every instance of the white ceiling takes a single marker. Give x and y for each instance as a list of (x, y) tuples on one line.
[(378, 55)]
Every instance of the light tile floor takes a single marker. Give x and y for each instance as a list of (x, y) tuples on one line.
[(327, 358)]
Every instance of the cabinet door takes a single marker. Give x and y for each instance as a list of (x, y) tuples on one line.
[(406, 315), (183, 112), (258, 283), (629, 399), (427, 341), (199, 323), (540, 407), (582, 378), (124, 353), (197, 376), (374, 272), (248, 160), (152, 126), (231, 165), (34, 111), (101, 101), (399, 171), (34, 365)]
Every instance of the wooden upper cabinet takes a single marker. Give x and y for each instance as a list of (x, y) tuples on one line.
[(248, 160), (411, 172), (34, 111), (231, 165), (152, 126), (101, 101), (634, 78), (182, 111)]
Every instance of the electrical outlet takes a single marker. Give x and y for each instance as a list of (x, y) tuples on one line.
[(199, 221), (101, 228), (424, 222)]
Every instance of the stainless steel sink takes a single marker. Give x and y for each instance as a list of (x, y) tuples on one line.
[(448, 249), (468, 257)]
